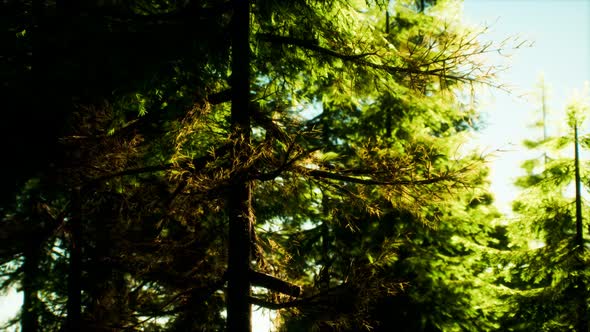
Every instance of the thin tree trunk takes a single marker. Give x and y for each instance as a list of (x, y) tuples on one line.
[(240, 197), (324, 277), (544, 109), (30, 308), (579, 223), (582, 323), (74, 303), (388, 110)]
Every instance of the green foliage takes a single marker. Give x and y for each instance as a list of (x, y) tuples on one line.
[(546, 268), (366, 203)]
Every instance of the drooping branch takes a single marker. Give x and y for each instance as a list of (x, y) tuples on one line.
[(325, 297), (309, 45), (144, 123), (278, 306), (196, 163), (316, 173), (360, 59), (131, 171), (289, 304), (200, 295), (274, 284), (288, 162)]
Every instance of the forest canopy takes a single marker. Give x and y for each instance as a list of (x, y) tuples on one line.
[(191, 159)]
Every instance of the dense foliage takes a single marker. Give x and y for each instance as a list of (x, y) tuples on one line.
[(198, 157)]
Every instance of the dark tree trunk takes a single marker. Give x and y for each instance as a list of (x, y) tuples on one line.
[(239, 200), (30, 308), (579, 221), (104, 283), (582, 312), (74, 303)]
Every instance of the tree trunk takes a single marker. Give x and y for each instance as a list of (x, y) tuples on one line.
[(74, 303), (582, 321), (544, 110), (579, 222), (30, 308), (104, 285), (240, 195)]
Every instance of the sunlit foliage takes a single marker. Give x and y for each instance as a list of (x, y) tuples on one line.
[(361, 195)]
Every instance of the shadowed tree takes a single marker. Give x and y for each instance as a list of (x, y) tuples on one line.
[(192, 156)]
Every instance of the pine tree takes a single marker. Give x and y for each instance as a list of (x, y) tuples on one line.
[(201, 165), (548, 270), (345, 281)]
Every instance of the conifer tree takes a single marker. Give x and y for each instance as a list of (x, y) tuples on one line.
[(202, 166), (548, 271)]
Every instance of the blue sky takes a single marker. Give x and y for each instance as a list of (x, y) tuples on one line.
[(560, 30)]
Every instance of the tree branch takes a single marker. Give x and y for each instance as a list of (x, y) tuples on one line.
[(200, 295), (277, 306), (324, 297), (316, 173), (195, 163), (284, 166), (358, 58), (274, 284), (309, 45)]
